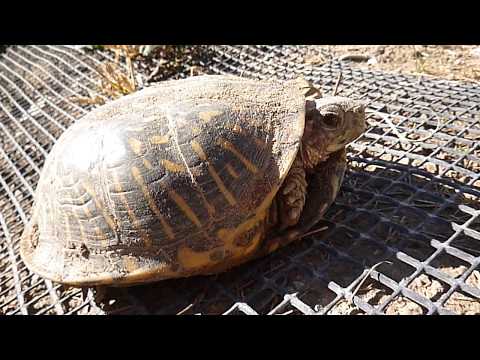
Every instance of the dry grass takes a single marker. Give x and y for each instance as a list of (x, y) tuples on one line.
[(114, 81), (131, 65)]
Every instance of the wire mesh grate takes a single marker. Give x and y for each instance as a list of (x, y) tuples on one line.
[(403, 236)]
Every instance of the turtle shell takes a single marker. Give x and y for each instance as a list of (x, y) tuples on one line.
[(171, 181)]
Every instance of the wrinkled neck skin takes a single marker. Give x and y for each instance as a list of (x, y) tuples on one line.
[(313, 150)]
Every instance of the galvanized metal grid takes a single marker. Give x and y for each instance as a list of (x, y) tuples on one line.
[(415, 204)]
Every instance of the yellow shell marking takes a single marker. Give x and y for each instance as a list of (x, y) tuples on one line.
[(101, 236), (151, 203), (82, 230), (229, 146), (198, 149), (159, 139), (130, 263), (228, 236), (144, 236), (99, 206), (186, 209), (80, 226), (227, 194), (173, 167), (75, 215), (147, 164), (192, 260), (208, 115), (232, 171), (213, 173), (135, 145), (68, 235), (257, 238), (237, 129), (260, 143), (87, 212), (139, 274), (210, 208), (274, 246)]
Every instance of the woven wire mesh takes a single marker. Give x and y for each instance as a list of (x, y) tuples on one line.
[(414, 204)]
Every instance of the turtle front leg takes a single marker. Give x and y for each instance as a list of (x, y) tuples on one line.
[(292, 194), (323, 186)]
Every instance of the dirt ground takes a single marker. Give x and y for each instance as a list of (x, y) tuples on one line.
[(452, 62)]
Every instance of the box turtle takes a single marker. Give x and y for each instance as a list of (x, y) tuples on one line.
[(187, 177)]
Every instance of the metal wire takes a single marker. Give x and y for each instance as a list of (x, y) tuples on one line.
[(415, 204)]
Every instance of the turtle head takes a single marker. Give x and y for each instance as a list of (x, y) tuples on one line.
[(330, 124)]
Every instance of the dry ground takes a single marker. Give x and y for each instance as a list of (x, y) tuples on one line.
[(452, 62)]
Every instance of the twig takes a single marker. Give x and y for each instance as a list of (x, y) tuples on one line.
[(354, 57), (365, 277), (161, 63), (185, 310), (119, 310), (313, 232), (337, 84), (83, 100), (131, 74), (197, 69), (154, 72)]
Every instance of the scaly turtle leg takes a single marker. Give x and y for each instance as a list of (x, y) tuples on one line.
[(291, 197), (323, 187)]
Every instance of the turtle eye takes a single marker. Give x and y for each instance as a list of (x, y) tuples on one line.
[(330, 120)]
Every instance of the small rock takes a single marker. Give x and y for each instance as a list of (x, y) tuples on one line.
[(418, 54), (475, 52), (380, 50), (146, 50), (372, 61), (431, 168)]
